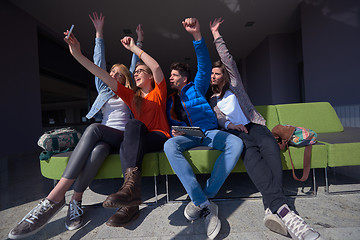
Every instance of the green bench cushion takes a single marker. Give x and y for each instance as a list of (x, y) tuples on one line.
[(319, 116), (343, 147), (111, 168), (318, 157), (269, 112), (202, 160)]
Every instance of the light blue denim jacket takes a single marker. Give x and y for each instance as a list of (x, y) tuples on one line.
[(104, 92)]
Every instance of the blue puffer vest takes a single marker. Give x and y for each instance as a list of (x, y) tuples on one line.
[(198, 110)]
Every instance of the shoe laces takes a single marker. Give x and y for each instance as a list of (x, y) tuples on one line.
[(75, 209), (42, 207), (129, 182), (204, 212), (296, 224)]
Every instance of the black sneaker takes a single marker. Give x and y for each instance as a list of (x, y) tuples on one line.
[(36, 219), (74, 218)]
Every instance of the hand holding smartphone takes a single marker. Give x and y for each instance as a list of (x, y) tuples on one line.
[(70, 31)]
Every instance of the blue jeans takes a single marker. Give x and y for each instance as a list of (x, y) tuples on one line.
[(231, 147)]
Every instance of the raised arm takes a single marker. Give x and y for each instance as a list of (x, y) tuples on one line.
[(203, 74), (99, 49), (75, 50), (192, 26), (139, 43), (158, 74), (214, 27), (225, 56), (98, 22)]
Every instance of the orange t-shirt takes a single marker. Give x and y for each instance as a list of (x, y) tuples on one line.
[(153, 108)]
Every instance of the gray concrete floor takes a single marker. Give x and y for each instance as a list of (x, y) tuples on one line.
[(335, 216)]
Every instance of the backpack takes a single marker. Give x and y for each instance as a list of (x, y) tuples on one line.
[(58, 141), (296, 136)]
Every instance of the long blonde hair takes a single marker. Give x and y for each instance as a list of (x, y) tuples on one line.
[(129, 83)]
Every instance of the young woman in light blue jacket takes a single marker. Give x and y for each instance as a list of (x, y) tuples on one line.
[(97, 142)]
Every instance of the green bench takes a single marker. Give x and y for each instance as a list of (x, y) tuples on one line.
[(342, 144), (336, 147), (202, 159), (111, 167)]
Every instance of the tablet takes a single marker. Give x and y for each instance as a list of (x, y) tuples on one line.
[(191, 131)]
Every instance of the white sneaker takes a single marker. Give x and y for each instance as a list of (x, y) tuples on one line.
[(274, 223), (211, 220), (192, 212), (295, 225)]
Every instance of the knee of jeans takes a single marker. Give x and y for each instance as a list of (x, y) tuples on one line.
[(101, 150), (269, 144), (134, 123), (93, 128), (235, 142), (170, 146)]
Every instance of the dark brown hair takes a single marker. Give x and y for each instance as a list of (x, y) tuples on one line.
[(226, 79), (183, 69)]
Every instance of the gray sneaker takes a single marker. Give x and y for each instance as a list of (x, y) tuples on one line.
[(296, 226), (36, 219), (211, 220), (74, 217), (274, 223), (192, 212)]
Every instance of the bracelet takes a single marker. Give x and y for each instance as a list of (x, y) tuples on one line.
[(141, 54), (139, 43)]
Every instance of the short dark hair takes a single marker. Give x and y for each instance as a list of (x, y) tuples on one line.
[(182, 68)]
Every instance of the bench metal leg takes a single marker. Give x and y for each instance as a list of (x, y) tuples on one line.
[(167, 188), (55, 181), (155, 190), (326, 181), (314, 180)]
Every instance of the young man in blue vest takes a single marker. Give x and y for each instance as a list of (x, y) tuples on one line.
[(187, 106)]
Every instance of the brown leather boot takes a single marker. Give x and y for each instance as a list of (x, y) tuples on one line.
[(123, 216), (129, 194)]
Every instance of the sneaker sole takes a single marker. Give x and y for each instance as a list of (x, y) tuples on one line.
[(35, 231), (136, 216), (74, 228), (274, 226), (118, 204), (216, 231)]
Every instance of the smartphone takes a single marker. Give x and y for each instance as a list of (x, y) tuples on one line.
[(70, 31)]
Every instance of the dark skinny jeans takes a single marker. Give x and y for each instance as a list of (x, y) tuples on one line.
[(261, 156), (138, 141), (97, 142)]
